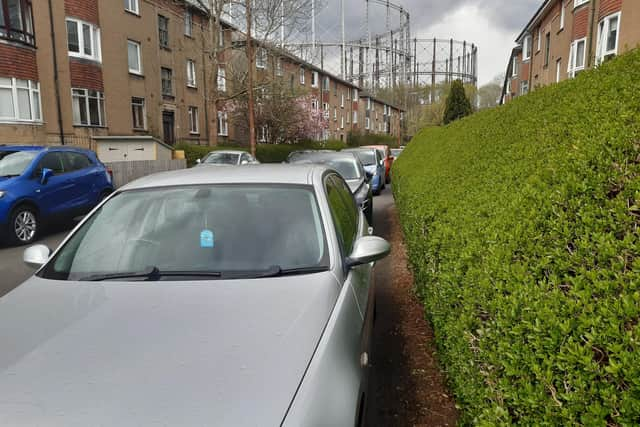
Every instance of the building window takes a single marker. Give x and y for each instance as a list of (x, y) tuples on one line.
[(302, 75), (191, 73), (367, 123), (279, 70), (325, 107), (223, 124), (608, 30), (138, 114), (335, 114), (88, 108), (547, 49), (558, 69), (335, 88), (19, 100), (188, 23), (135, 59), (577, 3), (166, 75), (220, 36), (341, 122), (355, 117), (576, 57), (193, 120), (514, 67), (163, 31), (508, 89), (83, 40), (562, 14), (314, 79), (315, 104), (326, 81), (355, 95), (342, 100), (526, 48), (539, 40), (261, 58), (16, 21), (263, 133), (132, 6), (524, 87), (369, 104), (222, 79)]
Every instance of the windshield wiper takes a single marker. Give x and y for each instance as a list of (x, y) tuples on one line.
[(277, 271), (150, 274)]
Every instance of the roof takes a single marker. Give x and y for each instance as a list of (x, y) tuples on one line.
[(380, 101), (249, 174), (534, 19), (198, 4)]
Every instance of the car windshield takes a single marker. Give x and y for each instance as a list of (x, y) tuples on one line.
[(367, 157), (234, 231), (395, 152), (222, 159), (347, 167), (14, 163)]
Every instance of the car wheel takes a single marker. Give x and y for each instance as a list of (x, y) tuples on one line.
[(24, 225), (103, 196)]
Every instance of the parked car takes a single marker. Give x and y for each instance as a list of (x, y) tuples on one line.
[(385, 152), (242, 296), (395, 152), (294, 155), (228, 157), (350, 168), (40, 185), (373, 164)]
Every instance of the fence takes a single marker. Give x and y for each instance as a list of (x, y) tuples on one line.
[(125, 172)]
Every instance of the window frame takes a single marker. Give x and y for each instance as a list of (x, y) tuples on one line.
[(524, 87), (302, 73), (558, 69), (355, 117), (602, 41), (26, 33), (261, 58), (578, 3), (100, 102), (562, 14), (128, 6), (573, 69), (94, 40), (527, 47), (515, 67), (163, 31), (170, 80), (547, 49), (192, 81), (223, 123), (194, 120), (138, 102), (222, 79), (139, 71), (35, 101), (314, 79), (188, 22)]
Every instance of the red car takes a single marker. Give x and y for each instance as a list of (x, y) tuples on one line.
[(385, 152)]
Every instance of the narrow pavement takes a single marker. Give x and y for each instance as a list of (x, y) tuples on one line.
[(407, 387)]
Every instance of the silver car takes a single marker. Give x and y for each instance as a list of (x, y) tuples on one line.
[(235, 297), (228, 158)]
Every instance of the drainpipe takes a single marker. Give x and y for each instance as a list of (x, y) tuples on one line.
[(55, 73), (592, 17), (206, 91)]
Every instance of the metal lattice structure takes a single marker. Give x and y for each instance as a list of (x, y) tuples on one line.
[(376, 59)]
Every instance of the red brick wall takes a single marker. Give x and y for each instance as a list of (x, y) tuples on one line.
[(18, 62), (607, 7), (580, 23), (87, 10), (85, 76)]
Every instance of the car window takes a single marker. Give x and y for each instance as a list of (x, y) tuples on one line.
[(245, 158), (367, 157), (51, 161), (219, 158), (75, 161), (13, 163), (239, 231), (343, 211)]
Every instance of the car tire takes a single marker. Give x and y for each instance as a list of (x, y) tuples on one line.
[(24, 225), (103, 196)]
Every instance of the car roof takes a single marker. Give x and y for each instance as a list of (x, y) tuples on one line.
[(229, 152), (43, 148), (303, 174), (326, 156)]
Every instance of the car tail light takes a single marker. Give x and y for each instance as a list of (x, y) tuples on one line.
[(110, 174)]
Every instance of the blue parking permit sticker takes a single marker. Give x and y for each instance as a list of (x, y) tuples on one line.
[(207, 239)]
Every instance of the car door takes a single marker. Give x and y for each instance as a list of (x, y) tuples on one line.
[(82, 172), (55, 196)]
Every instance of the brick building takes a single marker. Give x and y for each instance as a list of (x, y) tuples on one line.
[(565, 37), (72, 69)]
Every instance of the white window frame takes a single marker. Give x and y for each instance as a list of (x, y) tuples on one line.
[(194, 123), (132, 6), (139, 102), (562, 14), (604, 29), (188, 23), (367, 123), (35, 101), (508, 91), (341, 99), (355, 94), (355, 117), (279, 69), (139, 55), (524, 87), (314, 79), (527, 44), (94, 40), (335, 114), (220, 35), (191, 74), (315, 104), (222, 79), (223, 123), (342, 122), (263, 133), (573, 68), (577, 3), (369, 104), (261, 58), (558, 70), (302, 73), (539, 46), (514, 67), (100, 100)]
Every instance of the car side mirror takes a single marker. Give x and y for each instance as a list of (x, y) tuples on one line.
[(36, 256), (368, 249), (46, 174), (198, 161)]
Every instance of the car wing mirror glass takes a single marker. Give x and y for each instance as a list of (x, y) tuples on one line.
[(368, 249), (45, 175), (36, 256)]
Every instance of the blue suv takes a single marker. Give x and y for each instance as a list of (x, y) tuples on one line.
[(44, 184)]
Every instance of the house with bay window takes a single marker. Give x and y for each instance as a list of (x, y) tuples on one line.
[(566, 37)]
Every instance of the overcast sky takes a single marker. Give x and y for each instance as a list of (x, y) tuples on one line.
[(491, 24)]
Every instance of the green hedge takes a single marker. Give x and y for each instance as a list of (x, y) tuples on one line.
[(523, 229), (357, 139), (266, 153)]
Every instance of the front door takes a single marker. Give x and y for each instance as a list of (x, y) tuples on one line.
[(168, 127)]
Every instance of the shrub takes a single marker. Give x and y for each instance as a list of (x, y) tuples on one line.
[(357, 139), (523, 229), (457, 105)]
